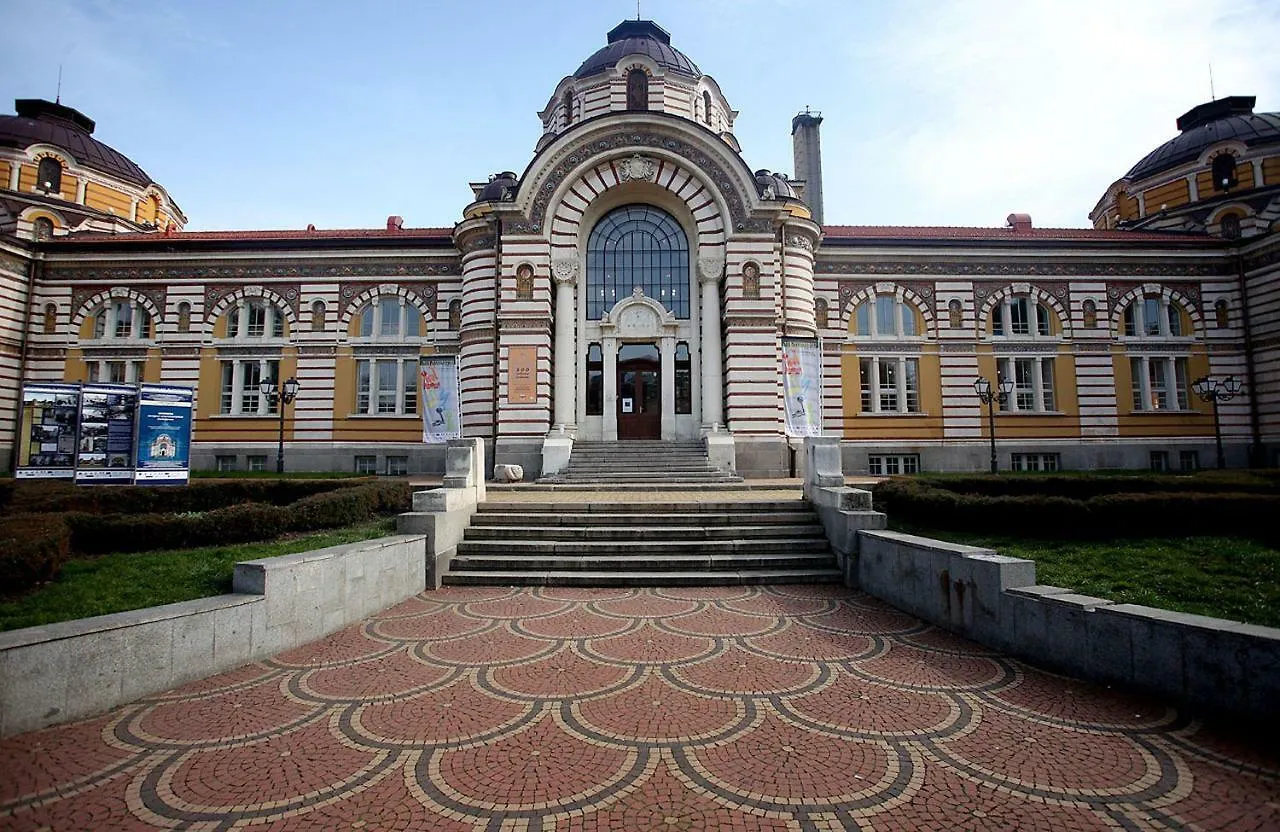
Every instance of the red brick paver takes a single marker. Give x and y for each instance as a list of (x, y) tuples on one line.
[(787, 708)]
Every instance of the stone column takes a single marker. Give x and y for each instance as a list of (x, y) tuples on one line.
[(668, 365), (565, 272), (710, 270), (609, 412)]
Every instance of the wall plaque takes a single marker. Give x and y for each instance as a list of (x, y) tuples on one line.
[(522, 375)]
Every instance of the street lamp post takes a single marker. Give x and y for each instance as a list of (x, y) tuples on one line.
[(991, 396), (1211, 389), (280, 396)]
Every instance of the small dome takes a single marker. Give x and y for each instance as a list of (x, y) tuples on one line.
[(1226, 119), (501, 188), (638, 37), (45, 122), (781, 185)]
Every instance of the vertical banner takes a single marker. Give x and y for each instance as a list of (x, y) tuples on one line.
[(47, 436), (105, 453), (441, 394), (802, 386), (164, 435), (522, 375)]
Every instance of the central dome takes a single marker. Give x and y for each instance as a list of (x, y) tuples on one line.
[(638, 37)]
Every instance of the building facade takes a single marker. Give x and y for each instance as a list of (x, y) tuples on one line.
[(638, 280)]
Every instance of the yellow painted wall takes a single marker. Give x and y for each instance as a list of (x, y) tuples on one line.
[(1171, 195), (4, 174), (1156, 423), (103, 198), (151, 366), (1127, 206), (1271, 170), (350, 428), (27, 178), (919, 426), (75, 369), (210, 426)]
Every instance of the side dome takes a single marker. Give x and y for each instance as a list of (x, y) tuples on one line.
[(46, 122), (1203, 126), (638, 37)]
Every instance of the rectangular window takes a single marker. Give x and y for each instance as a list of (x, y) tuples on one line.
[(228, 386), (1033, 383), (366, 465), (224, 463), (277, 323), (890, 385), (1130, 320), (255, 462), (1047, 384), (1042, 319), (1151, 316), (1159, 377), (257, 314), (885, 307), (862, 319), (595, 380), (363, 385), (888, 465), (1189, 460), (239, 393), (997, 320), (1159, 460), (387, 386), (1019, 322), (1034, 462), (1181, 384), (94, 371), (397, 466), (389, 311), (684, 379), (1160, 383), (410, 377), (1024, 386)]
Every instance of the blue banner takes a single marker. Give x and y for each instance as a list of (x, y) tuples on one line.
[(164, 435), (105, 454), (47, 438)]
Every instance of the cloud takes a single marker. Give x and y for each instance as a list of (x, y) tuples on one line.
[(1040, 106)]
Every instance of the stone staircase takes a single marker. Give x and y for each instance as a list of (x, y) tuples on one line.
[(639, 462), (694, 543)]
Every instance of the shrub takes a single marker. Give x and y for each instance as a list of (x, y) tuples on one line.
[(32, 549), (202, 495)]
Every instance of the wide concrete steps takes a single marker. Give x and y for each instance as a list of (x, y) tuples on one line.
[(639, 462), (643, 544)]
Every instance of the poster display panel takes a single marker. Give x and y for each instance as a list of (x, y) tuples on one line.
[(441, 411), (802, 386), (104, 455), (47, 436), (522, 375), (164, 435)]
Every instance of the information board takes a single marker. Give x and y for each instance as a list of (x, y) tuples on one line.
[(105, 452), (47, 436), (164, 435)]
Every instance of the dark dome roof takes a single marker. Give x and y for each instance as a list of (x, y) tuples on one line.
[(638, 37), (1206, 125), (782, 187), (44, 122)]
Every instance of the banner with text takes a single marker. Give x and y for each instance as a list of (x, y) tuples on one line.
[(802, 386), (441, 395), (164, 435), (47, 436), (105, 454)]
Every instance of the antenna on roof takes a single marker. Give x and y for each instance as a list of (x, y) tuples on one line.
[(637, 9), (58, 98), (1212, 95)]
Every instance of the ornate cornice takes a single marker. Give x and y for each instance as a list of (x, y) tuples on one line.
[(217, 291), (1023, 269), (568, 160), (469, 244), (80, 295), (768, 321), (128, 274)]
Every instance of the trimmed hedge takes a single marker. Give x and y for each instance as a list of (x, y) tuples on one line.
[(1167, 513), (199, 495), (33, 548), (93, 534), (1084, 487)]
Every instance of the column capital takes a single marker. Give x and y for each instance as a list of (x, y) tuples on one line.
[(710, 267), (565, 270)]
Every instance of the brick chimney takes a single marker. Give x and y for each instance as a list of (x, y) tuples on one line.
[(1020, 223)]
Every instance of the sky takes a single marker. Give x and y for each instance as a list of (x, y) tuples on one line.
[(280, 113)]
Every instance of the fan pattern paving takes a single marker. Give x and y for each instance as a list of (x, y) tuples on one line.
[(803, 708)]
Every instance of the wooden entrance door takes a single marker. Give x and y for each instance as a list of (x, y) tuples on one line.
[(639, 392)]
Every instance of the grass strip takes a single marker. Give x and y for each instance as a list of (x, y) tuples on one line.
[(120, 582), (1225, 577)]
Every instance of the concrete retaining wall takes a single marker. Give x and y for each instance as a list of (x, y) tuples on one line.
[(60, 672), (1208, 663)]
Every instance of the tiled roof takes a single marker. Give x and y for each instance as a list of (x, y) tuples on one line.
[(951, 232), (278, 234)]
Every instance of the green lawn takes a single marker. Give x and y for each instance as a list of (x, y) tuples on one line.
[(1226, 577), (115, 583)]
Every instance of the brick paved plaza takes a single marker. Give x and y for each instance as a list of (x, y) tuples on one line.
[(800, 708)]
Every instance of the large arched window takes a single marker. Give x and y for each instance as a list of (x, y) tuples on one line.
[(637, 246), (637, 90), (49, 175)]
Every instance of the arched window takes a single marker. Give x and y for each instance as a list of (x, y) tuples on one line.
[(1012, 317), (50, 319), (184, 317), (390, 318), (1231, 226), (637, 90), (122, 318), (455, 314), (317, 316), (1224, 172), (1152, 316), (706, 107), (255, 318), (567, 105), (42, 228), (884, 316), (821, 313), (637, 247), (49, 176)]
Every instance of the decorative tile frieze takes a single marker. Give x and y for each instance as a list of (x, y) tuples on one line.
[(1026, 269), (451, 267)]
